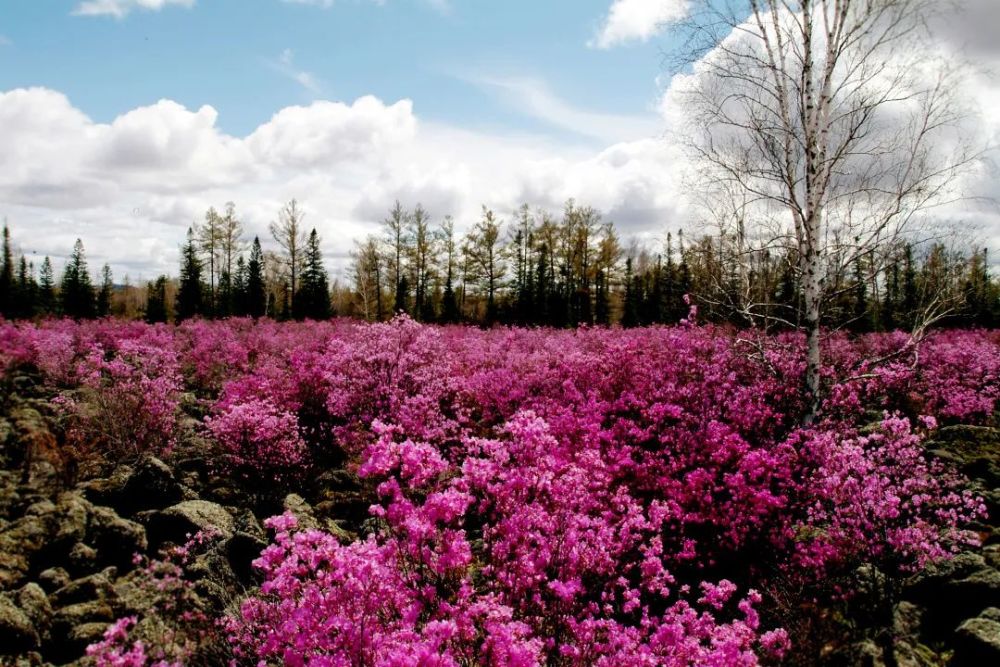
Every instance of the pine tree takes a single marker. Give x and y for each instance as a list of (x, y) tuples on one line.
[(46, 288), (77, 290), (256, 290), (190, 294), (630, 302), (107, 290), (313, 298)]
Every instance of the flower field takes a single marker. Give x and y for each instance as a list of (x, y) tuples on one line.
[(537, 497)]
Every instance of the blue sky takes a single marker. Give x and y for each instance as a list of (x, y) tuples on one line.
[(240, 56), (123, 121)]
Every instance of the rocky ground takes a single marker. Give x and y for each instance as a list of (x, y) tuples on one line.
[(66, 550)]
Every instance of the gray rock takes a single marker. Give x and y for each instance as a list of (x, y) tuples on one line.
[(977, 642), (177, 523), (94, 587), (108, 490), (70, 616), (35, 604), (302, 511), (152, 486), (73, 518), (116, 539), (17, 633), (53, 578), (82, 559)]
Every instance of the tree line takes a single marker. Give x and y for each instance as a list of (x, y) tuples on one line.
[(534, 269)]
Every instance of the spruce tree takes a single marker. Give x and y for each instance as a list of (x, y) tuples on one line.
[(156, 300), (256, 290), (26, 293), (6, 275), (313, 298), (106, 292), (191, 293), (630, 304), (46, 288), (77, 290)]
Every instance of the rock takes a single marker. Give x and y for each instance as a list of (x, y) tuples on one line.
[(53, 578), (980, 588), (110, 490), (85, 634), (152, 486), (241, 550), (35, 604), (117, 540), (68, 617), (17, 633), (23, 540), (95, 587), (302, 511), (178, 523), (82, 559), (977, 642), (73, 513)]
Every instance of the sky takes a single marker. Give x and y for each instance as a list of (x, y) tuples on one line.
[(124, 120)]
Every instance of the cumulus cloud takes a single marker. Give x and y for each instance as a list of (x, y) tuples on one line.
[(120, 8), (154, 170), (637, 20)]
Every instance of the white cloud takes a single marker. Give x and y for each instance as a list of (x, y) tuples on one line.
[(534, 98), (637, 20), (152, 171), (285, 65), (120, 8)]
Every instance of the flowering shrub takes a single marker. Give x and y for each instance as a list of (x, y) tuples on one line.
[(260, 443), (598, 496), (175, 629)]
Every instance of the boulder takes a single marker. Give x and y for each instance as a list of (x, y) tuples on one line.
[(53, 579), (107, 490), (70, 616), (94, 587), (977, 642), (116, 539), (82, 559), (35, 605), (152, 485), (178, 523), (17, 633), (73, 514)]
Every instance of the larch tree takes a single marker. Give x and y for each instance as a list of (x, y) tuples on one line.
[(484, 252), (833, 121), (209, 237), (290, 236)]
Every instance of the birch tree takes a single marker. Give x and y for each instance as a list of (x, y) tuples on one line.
[(835, 118)]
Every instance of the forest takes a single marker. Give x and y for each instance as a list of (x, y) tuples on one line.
[(535, 269)]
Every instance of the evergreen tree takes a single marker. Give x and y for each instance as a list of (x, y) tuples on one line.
[(191, 293), (107, 290), (630, 302), (77, 291), (27, 290), (256, 290), (156, 300), (313, 299), (46, 288), (6, 275), (239, 295)]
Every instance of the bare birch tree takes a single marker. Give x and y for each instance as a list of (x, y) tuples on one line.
[(829, 116)]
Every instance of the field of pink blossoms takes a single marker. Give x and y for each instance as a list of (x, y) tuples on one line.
[(538, 497)]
